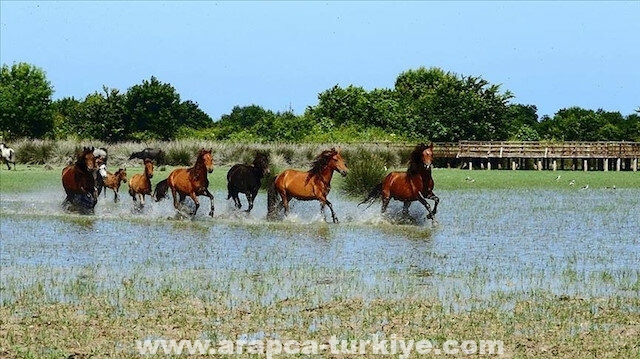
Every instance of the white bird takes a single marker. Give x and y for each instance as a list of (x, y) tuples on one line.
[(585, 187), (558, 178), (572, 182)]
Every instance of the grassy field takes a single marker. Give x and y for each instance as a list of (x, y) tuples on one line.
[(29, 178), (548, 327)]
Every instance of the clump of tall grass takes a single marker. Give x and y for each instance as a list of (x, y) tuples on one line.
[(35, 152), (366, 170), (179, 156)]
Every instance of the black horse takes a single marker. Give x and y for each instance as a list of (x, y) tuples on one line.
[(154, 154), (246, 179)]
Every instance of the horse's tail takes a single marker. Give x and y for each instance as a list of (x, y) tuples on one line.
[(374, 194), (272, 200), (161, 190), (12, 156)]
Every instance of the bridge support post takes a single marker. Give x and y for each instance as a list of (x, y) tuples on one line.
[(605, 165), (513, 165), (585, 165), (488, 165), (635, 165), (618, 164), (470, 165), (554, 165), (539, 165)]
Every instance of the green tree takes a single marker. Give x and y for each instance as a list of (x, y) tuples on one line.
[(65, 115), (240, 119), (153, 109), (522, 122), (343, 106), (193, 117), (25, 101), (443, 106), (103, 116)]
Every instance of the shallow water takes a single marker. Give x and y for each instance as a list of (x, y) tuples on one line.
[(489, 247)]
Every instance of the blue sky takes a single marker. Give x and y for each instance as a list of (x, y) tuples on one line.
[(281, 55)]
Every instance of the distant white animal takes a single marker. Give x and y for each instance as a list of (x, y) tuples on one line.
[(558, 178), (585, 187), (8, 155), (572, 182), (101, 153)]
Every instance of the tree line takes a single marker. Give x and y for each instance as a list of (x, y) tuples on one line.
[(425, 104)]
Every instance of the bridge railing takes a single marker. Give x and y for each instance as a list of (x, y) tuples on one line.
[(535, 149)]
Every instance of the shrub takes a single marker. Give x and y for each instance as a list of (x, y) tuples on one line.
[(366, 170), (35, 152), (180, 156)]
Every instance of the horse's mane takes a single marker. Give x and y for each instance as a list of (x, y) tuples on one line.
[(261, 160), (321, 161), (415, 159)]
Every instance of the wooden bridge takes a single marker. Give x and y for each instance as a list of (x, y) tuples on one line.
[(542, 155)]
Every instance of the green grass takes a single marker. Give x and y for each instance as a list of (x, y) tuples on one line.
[(31, 178)]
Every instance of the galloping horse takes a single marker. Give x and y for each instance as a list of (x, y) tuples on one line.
[(140, 184), (78, 180), (416, 184), (112, 180), (311, 185), (246, 179), (8, 155), (192, 182)]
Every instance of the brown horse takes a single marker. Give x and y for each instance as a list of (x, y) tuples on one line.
[(140, 184), (192, 182), (311, 185), (78, 180), (416, 184), (113, 180)]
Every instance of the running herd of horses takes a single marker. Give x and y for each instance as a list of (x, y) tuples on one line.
[(87, 177)]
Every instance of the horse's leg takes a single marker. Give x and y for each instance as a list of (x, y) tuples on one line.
[(175, 198), (333, 213), (285, 201), (250, 197), (385, 203), (405, 208), (435, 200), (426, 205), (195, 200), (210, 195)]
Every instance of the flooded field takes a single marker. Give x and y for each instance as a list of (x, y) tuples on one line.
[(489, 249)]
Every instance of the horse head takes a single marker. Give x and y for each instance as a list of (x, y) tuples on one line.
[(330, 159), (86, 159), (205, 158), (121, 173), (148, 168), (102, 169), (421, 157), (340, 165), (261, 161)]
